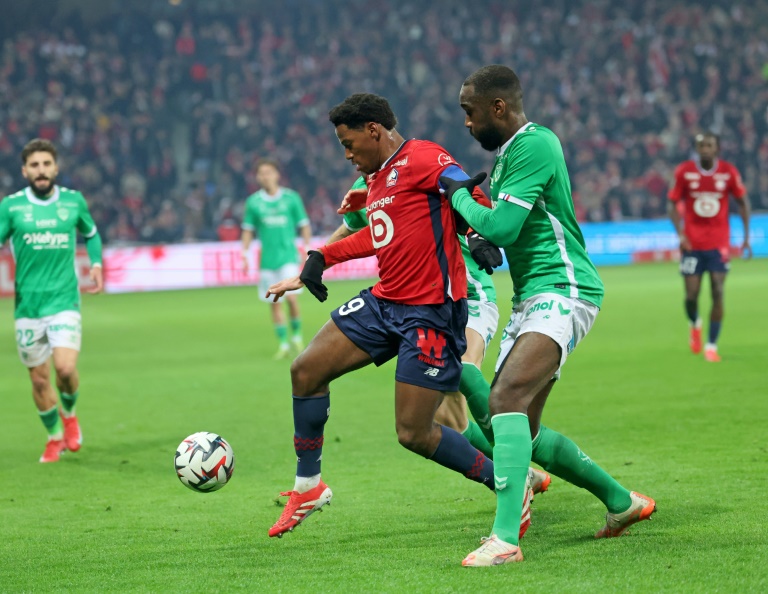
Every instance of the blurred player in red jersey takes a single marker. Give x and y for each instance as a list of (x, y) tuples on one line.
[(417, 311), (703, 185)]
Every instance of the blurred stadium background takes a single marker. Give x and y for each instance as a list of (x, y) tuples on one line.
[(160, 110)]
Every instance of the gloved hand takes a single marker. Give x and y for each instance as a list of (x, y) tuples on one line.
[(451, 186), (487, 255), (312, 275)]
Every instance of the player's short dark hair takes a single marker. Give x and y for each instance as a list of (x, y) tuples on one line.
[(37, 145), (359, 109), (270, 162), (707, 134), (497, 80)]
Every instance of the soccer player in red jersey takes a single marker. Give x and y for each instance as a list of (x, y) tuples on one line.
[(702, 186), (417, 311)]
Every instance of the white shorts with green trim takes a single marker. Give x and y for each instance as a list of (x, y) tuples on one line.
[(483, 318), (565, 320), (37, 337)]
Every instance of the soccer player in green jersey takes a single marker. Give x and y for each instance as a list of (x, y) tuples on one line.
[(41, 222), (558, 293), (275, 213)]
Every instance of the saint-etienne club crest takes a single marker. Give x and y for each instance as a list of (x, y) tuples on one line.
[(63, 213), (496, 174)]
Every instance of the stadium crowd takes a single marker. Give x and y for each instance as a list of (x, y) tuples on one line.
[(161, 110)]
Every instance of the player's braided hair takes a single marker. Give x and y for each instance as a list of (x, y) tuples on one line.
[(497, 80), (37, 145), (359, 109)]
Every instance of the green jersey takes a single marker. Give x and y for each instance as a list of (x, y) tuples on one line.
[(480, 286), (43, 241), (357, 220), (533, 219), (479, 283), (275, 219)]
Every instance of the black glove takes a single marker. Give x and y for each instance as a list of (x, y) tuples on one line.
[(452, 185), (312, 275), (487, 255), (462, 227)]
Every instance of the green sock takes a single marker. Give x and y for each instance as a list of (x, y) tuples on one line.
[(52, 422), (475, 436), (282, 334), (511, 459), (557, 454), (68, 402), (476, 390), (296, 327)]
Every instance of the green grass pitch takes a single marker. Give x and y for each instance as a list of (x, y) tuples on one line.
[(157, 367)]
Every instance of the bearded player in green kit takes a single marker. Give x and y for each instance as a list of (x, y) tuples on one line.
[(41, 221), (557, 296)]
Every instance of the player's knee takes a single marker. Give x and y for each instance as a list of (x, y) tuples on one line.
[(304, 381), (40, 382), (66, 372), (413, 440), (511, 397)]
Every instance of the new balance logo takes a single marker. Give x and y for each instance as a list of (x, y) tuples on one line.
[(501, 482), (432, 372)]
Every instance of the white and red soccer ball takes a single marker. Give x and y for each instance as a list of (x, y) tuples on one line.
[(204, 462)]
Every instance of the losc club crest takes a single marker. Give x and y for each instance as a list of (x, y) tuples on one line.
[(63, 213), (392, 178)]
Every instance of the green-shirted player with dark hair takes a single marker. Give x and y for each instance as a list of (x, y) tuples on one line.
[(41, 222), (558, 293), (482, 323), (274, 213)]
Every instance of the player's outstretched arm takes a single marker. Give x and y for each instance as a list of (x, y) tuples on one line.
[(500, 225), (281, 288), (312, 275)]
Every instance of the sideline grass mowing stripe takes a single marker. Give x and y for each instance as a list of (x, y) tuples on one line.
[(157, 367)]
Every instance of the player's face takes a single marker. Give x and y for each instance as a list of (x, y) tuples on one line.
[(479, 119), (361, 146), (268, 177), (707, 148), (40, 170)]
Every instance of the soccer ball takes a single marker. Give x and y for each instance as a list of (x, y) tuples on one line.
[(204, 462)]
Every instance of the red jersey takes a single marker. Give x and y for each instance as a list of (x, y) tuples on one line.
[(411, 230), (705, 202)]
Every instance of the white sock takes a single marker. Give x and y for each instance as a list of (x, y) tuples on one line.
[(710, 346), (306, 483)]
